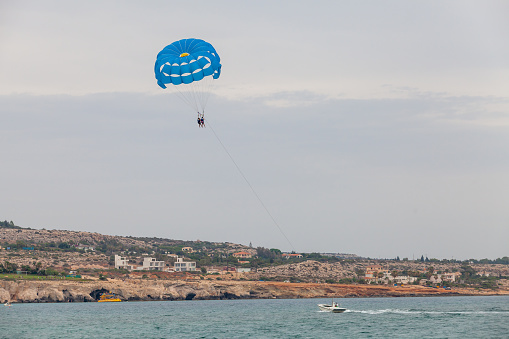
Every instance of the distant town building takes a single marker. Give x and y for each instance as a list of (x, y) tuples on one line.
[(374, 268), (122, 263), (243, 270), (184, 266), (85, 247), (404, 279), (212, 269), (435, 279), (187, 249), (484, 273), (291, 255), (243, 255), (375, 273), (151, 264), (451, 277)]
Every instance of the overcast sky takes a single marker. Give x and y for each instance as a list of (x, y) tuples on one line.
[(374, 128)]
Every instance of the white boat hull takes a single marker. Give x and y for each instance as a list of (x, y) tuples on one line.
[(330, 308)]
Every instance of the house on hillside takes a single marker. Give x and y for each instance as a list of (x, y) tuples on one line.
[(184, 266), (435, 279), (484, 274), (291, 256), (404, 279), (243, 270), (151, 264), (122, 263), (376, 273), (212, 269), (85, 247), (187, 249), (451, 277), (242, 255)]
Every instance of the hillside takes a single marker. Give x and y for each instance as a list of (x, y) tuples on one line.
[(49, 254), (19, 237)]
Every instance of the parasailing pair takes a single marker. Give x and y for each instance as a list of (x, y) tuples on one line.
[(189, 67)]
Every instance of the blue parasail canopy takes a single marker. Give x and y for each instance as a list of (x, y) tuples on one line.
[(186, 61)]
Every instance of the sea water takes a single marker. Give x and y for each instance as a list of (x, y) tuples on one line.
[(431, 317)]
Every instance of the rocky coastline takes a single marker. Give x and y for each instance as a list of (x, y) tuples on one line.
[(151, 290)]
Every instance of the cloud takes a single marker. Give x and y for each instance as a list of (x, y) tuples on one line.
[(332, 49)]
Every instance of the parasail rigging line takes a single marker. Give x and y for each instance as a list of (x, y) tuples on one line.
[(250, 186)]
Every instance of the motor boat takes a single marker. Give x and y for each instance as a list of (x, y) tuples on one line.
[(109, 297), (333, 307)]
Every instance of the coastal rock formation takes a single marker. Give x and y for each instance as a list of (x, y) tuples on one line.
[(133, 290)]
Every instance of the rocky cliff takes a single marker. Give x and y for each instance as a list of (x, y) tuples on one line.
[(133, 290)]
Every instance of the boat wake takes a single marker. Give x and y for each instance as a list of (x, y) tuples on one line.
[(398, 311)]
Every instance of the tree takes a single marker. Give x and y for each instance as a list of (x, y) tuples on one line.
[(10, 267), (468, 272), (276, 251), (20, 244), (429, 271), (265, 253), (63, 245), (394, 274)]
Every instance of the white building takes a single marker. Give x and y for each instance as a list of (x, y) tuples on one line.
[(151, 264), (184, 266), (85, 247), (436, 279), (404, 279), (451, 277), (122, 263)]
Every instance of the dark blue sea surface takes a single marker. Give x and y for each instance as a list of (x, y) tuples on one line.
[(431, 317)]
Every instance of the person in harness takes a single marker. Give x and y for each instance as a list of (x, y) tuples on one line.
[(201, 120)]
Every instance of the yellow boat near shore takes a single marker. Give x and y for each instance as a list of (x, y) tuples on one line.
[(108, 297)]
